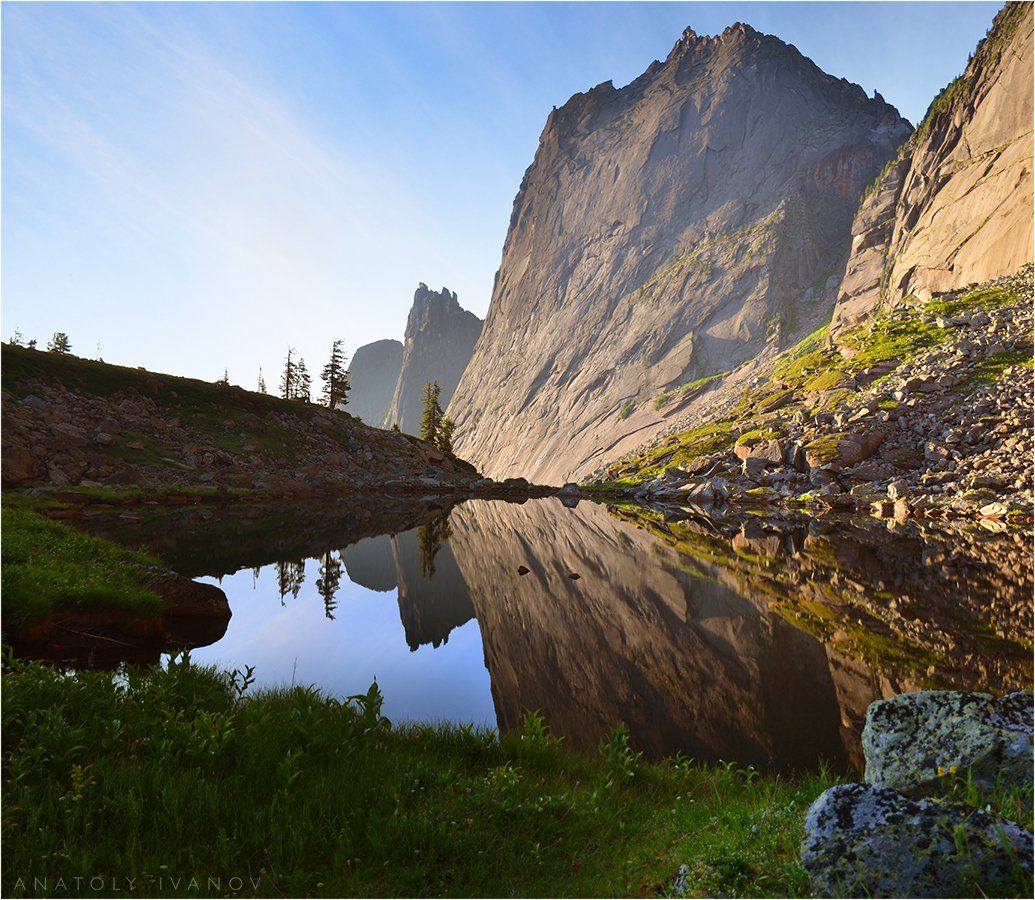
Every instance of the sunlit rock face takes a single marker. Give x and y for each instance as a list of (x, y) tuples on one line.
[(665, 231), (955, 207), (440, 337), (373, 375)]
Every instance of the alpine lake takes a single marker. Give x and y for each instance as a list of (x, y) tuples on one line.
[(752, 636)]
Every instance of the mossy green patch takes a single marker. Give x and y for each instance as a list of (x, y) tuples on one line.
[(988, 298), (679, 450), (990, 369), (830, 380), (49, 567), (759, 436), (686, 390), (824, 449)]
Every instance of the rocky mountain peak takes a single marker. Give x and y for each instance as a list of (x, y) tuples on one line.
[(427, 304), (373, 374), (439, 340), (666, 231)]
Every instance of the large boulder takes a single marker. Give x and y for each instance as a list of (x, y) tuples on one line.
[(843, 450), (771, 451), (913, 740), (867, 840)]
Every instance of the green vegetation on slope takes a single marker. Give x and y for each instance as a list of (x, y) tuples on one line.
[(49, 567), (686, 390), (821, 367), (230, 416), (182, 771)]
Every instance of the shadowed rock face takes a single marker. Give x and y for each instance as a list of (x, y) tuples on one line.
[(440, 337), (370, 562), (665, 231), (433, 598), (373, 375), (956, 205), (681, 659)]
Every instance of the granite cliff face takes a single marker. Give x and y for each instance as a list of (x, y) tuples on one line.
[(373, 375), (440, 337), (665, 231), (955, 206)]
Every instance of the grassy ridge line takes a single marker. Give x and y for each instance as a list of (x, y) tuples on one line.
[(101, 379), (183, 772), (49, 567), (185, 433)]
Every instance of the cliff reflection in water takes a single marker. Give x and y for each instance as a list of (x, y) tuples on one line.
[(755, 640), (758, 642)]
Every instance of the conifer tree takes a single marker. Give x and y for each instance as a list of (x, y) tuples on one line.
[(431, 419), (262, 382), (328, 582), (225, 380), (32, 344), (444, 438), (430, 537), (335, 378), (60, 343), (16, 338), (290, 577), (303, 383), (288, 378)]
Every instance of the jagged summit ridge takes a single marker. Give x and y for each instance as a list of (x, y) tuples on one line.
[(440, 336), (665, 231)]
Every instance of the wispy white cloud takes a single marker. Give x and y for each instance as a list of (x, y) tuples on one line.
[(202, 155)]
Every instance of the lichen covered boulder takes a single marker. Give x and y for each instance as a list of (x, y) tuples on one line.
[(913, 741), (866, 840)]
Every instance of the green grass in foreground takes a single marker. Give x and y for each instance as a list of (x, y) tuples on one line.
[(49, 567), (184, 772)]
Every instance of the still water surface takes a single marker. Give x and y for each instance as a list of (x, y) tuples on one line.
[(754, 638)]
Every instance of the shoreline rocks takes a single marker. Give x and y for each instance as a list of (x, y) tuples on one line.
[(913, 740), (866, 840), (893, 837)]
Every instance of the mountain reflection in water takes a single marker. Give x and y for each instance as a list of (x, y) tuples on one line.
[(758, 640)]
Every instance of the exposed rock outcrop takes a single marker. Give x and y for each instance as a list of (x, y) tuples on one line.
[(863, 840), (373, 375), (883, 839), (955, 206), (913, 741), (440, 338), (193, 615), (665, 231)]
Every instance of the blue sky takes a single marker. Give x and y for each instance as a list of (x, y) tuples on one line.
[(195, 186)]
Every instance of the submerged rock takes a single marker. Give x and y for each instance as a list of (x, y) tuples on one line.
[(867, 840), (911, 741)]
